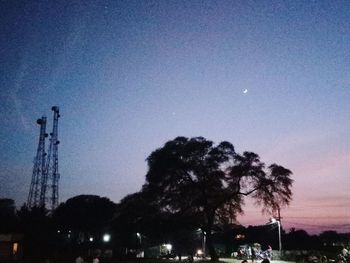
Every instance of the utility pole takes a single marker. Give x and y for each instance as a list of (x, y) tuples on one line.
[(204, 243), (279, 229), (274, 221), (279, 237)]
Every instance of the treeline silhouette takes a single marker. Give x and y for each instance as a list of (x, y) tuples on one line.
[(193, 191), (68, 230)]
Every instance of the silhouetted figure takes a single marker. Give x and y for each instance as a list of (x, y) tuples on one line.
[(253, 250), (323, 259), (79, 259), (312, 259), (341, 258), (344, 252), (269, 252), (265, 261)]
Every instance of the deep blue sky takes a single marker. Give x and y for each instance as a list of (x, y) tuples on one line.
[(130, 75)]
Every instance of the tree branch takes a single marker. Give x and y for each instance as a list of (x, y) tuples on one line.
[(249, 192)]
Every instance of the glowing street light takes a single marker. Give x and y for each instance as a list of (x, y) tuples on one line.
[(203, 237), (168, 246), (199, 253), (106, 237), (139, 237)]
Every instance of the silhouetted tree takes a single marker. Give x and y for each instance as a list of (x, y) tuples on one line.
[(210, 181), (139, 213), (38, 232), (300, 239), (8, 218), (136, 214), (84, 214), (181, 229), (331, 238)]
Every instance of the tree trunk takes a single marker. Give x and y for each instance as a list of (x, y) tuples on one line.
[(210, 245)]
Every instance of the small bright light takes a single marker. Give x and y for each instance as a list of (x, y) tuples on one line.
[(199, 252), (69, 231), (106, 237), (168, 246), (15, 248), (273, 220), (91, 239), (138, 234), (58, 231)]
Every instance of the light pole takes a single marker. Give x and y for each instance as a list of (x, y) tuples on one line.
[(204, 243), (274, 221), (202, 234), (140, 238)]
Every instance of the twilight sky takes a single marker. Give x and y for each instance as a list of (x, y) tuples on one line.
[(130, 75)]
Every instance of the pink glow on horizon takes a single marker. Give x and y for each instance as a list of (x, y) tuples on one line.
[(321, 199), (319, 160)]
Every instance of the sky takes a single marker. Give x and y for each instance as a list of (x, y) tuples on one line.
[(270, 77)]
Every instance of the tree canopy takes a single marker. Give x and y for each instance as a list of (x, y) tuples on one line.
[(8, 218), (84, 212), (192, 175)]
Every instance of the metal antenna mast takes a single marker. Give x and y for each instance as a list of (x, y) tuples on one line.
[(39, 167), (43, 190), (52, 175)]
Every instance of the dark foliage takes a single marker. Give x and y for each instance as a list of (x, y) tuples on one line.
[(84, 212), (38, 232), (138, 213), (194, 176), (8, 219)]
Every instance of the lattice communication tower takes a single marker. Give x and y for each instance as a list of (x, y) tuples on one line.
[(45, 177), (38, 167)]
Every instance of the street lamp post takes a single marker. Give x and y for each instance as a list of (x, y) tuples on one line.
[(202, 234), (204, 243), (140, 238), (274, 221)]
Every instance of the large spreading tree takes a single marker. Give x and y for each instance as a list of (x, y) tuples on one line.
[(192, 175)]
